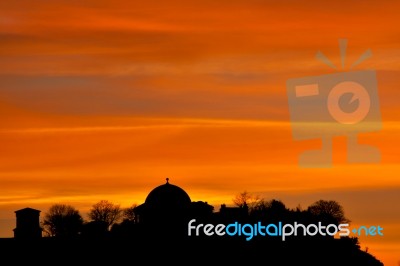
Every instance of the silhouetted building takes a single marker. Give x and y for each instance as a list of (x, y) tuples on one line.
[(232, 214), (201, 211), (168, 207), (28, 224)]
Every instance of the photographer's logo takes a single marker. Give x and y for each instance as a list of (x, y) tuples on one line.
[(339, 104)]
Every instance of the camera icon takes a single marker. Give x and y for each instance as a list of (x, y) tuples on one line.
[(339, 104)]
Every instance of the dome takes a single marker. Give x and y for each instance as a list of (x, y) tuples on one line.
[(168, 195)]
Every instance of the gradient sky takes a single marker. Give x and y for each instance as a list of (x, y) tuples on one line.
[(105, 99)]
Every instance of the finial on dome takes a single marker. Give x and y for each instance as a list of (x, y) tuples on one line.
[(167, 180)]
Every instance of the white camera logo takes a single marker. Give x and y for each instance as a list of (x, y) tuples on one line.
[(339, 104)]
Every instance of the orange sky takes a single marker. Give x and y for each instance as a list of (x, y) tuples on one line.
[(105, 99)]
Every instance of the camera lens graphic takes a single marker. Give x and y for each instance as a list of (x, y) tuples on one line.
[(359, 93)]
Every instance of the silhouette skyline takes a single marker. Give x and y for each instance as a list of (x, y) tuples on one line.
[(161, 223)]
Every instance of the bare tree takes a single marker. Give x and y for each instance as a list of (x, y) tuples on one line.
[(246, 199), (62, 220), (105, 212), (328, 210), (130, 214)]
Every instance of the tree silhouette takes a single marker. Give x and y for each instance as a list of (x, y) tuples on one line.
[(105, 212), (62, 221), (65, 221), (245, 199), (269, 210), (328, 211), (130, 214)]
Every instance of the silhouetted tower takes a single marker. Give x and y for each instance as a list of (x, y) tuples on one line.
[(28, 225)]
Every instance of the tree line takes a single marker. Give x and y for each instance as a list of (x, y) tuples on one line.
[(65, 221), (328, 211), (104, 218)]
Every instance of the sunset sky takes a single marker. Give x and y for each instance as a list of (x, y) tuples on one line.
[(105, 99)]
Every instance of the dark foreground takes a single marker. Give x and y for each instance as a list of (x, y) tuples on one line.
[(188, 251)]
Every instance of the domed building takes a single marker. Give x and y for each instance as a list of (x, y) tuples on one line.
[(168, 196), (169, 204)]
